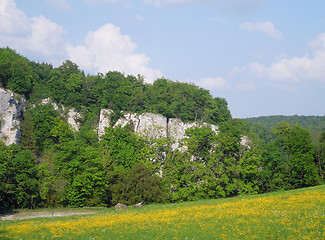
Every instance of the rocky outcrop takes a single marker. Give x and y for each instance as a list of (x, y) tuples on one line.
[(104, 121), (10, 110), (47, 101), (128, 118), (147, 124), (73, 117), (177, 129), (152, 126)]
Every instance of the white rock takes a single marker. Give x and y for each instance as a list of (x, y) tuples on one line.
[(245, 142), (10, 110), (73, 117), (48, 100), (104, 121), (128, 118), (177, 129), (176, 132), (152, 126)]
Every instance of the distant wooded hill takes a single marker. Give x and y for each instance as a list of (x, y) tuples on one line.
[(315, 124)]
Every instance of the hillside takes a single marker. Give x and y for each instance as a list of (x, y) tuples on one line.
[(315, 124), (70, 139)]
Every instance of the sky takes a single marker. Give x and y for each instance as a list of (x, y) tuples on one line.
[(265, 57)]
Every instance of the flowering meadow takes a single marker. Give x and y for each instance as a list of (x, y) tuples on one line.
[(297, 214)]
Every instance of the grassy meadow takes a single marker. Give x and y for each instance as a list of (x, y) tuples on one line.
[(297, 214)]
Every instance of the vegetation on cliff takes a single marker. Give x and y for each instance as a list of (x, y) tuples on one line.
[(54, 165)]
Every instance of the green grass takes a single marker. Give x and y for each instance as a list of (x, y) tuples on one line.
[(297, 214)]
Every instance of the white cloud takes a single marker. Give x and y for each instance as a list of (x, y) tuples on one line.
[(212, 83), (295, 69), (36, 35), (264, 27), (45, 37), (107, 50), (13, 21), (104, 50), (286, 73)]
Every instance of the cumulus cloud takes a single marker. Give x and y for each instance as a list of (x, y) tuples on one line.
[(36, 35), (295, 69), (104, 50), (286, 73), (45, 37), (107, 50), (264, 27), (13, 21)]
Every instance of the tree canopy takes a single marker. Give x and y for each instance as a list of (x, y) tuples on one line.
[(55, 165)]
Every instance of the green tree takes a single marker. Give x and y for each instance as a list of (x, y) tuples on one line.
[(27, 139), (18, 175), (139, 184), (5, 158), (275, 174), (297, 144), (124, 147), (44, 118)]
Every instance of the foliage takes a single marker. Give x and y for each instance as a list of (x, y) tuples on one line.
[(297, 144), (315, 124), (18, 175), (123, 146), (138, 185), (57, 166)]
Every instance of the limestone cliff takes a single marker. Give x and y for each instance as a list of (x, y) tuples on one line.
[(10, 110), (152, 126), (177, 129), (149, 125)]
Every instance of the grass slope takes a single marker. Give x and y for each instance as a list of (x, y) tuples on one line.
[(297, 214)]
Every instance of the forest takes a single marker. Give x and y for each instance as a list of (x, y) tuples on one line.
[(54, 165)]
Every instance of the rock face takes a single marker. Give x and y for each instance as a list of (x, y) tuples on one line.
[(148, 124), (10, 111), (128, 118), (177, 129), (104, 121), (152, 126), (73, 117)]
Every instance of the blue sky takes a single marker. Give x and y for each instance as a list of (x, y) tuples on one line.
[(265, 57)]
